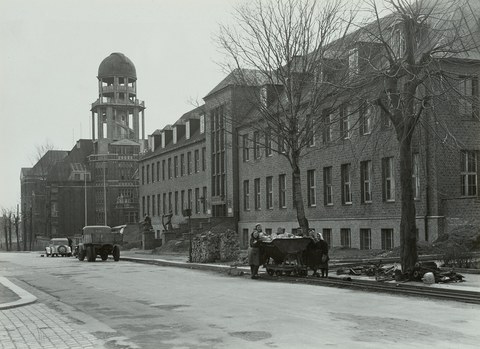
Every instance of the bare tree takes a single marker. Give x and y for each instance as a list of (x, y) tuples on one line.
[(415, 44), (281, 47)]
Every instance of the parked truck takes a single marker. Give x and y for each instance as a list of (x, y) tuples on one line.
[(99, 240)]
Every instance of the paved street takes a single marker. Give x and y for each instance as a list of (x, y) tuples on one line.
[(129, 305)]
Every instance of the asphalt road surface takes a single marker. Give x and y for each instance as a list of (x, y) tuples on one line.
[(130, 305)]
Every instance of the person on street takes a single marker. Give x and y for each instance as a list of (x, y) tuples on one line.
[(322, 245), (254, 251)]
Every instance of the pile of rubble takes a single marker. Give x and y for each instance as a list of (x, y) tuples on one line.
[(215, 247)]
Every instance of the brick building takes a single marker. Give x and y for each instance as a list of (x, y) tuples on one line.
[(350, 176)]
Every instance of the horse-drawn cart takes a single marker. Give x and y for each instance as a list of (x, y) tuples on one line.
[(286, 256)]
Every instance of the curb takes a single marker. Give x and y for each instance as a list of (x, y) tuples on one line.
[(25, 297)]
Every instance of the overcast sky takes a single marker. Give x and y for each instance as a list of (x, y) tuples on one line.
[(51, 50)]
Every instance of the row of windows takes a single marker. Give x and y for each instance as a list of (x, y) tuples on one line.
[(175, 202), (153, 172)]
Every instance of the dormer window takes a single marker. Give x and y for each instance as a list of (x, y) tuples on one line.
[(202, 123), (187, 129), (175, 135), (163, 139)]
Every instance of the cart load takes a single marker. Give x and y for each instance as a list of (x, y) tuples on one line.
[(286, 255)]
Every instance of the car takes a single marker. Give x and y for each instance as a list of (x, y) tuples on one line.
[(58, 247)]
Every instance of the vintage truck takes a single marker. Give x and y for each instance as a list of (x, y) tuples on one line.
[(99, 240)]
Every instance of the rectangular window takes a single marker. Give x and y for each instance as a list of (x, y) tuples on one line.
[(327, 186), (148, 205), (246, 149), (204, 159), (366, 181), (346, 184), (387, 239), (327, 135), (182, 199), (416, 176), (189, 198), (269, 193), (257, 193), (388, 185), (143, 206), (197, 200), (143, 175), (281, 145), (311, 189), (153, 205), (175, 166), (268, 144), (158, 205), (170, 207), (163, 169), (197, 160), (327, 235), (256, 145), (345, 237), (164, 203), (202, 123), (282, 191), (469, 96), (169, 168), (182, 165), (345, 122), (176, 203), (469, 172), (148, 174), (158, 171), (189, 162), (246, 195), (204, 201), (366, 118), (365, 239)]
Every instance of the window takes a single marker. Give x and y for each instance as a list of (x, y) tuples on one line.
[(163, 169), (143, 206), (346, 184), (365, 179), (327, 186), (469, 173), (268, 144), (327, 135), (256, 145), (388, 186), (158, 171), (182, 165), (170, 202), (202, 123), (246, 195), (164, 203), (204, 201), (175, 166), (365, 239), (269, 193), (386, 121), (344, 122), (327, 235), (282, 189), (148, 174), (281, 145), (153, 172), (257, 193), (416, 176), (189, 198), (311, 191), (197, 160), (469, 96), (158, 204), (169, 168), (189, 162), (153, 205), (176, 203), (345, 237), (182, 199), (197, 200), (387, 239), (246, 150), (204, 159), (366, 118)]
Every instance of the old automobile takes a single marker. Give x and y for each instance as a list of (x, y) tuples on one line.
[(58, 247)]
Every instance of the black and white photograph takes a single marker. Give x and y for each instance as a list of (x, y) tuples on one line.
[(210, 174)]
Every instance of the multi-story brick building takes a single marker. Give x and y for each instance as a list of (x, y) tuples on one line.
[(350, 175)]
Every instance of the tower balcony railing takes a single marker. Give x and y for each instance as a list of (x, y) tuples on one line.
[(118, 88), (113, 101)]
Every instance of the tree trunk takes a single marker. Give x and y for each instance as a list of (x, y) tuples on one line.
[(10, 232), (5, 230), (408, 228), (297, 190)]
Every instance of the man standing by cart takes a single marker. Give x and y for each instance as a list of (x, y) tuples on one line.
[(254, 251)]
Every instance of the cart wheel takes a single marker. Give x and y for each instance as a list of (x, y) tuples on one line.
[(270, 272), (91, 254), (278, 272), (104, 255)]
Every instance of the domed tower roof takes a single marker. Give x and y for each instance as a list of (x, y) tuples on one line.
[(117, 64)]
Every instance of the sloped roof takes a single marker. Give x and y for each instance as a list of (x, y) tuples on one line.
[(239, 77)]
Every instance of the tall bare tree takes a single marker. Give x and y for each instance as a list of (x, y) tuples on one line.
[(415, 44), (282, 47)]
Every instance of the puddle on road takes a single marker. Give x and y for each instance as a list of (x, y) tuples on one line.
[(252, 336)]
